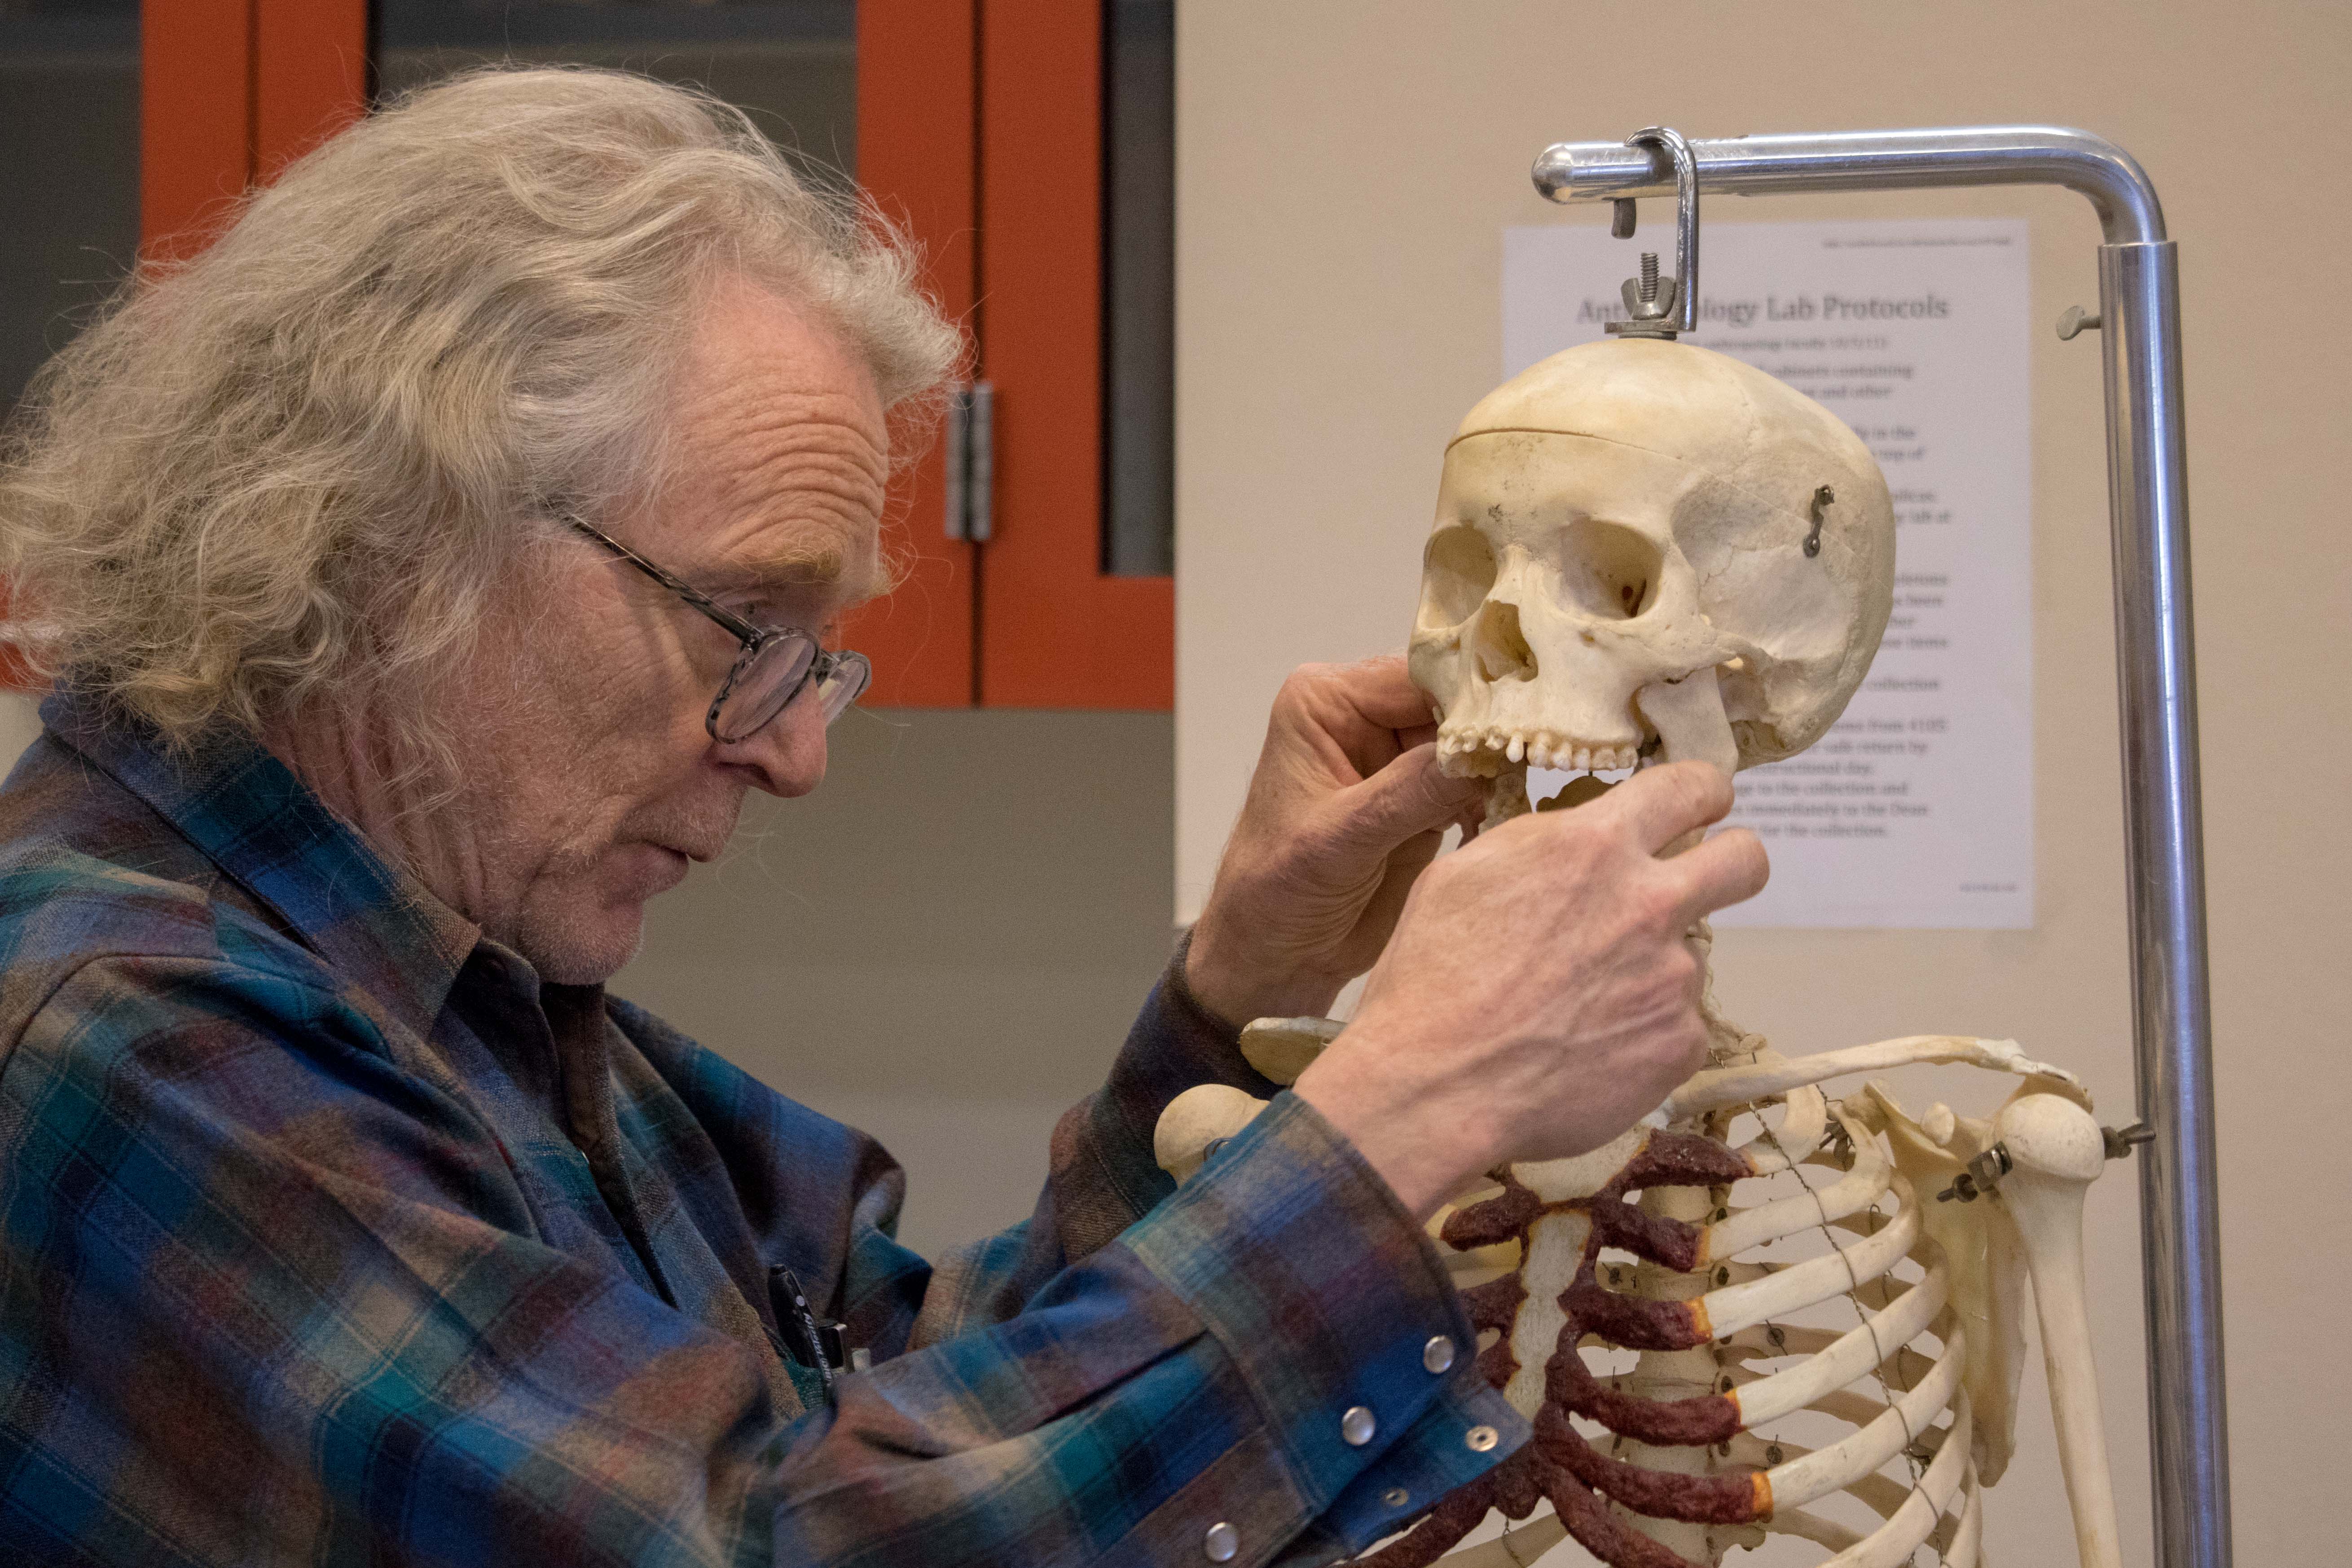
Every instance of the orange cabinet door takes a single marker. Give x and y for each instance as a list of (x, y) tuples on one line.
[(917, 132), (231, 90), (1056, 629)]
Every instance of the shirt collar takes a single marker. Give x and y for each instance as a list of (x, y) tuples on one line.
[(372, 923)]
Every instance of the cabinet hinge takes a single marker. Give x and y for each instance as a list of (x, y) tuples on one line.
[(972, 461)]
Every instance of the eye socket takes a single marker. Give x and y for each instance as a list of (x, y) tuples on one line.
[(1457, 572), (1608, 570)]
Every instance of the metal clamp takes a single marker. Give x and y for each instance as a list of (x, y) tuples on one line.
[(1983, 1175), (1651, 301), (1823, 498)]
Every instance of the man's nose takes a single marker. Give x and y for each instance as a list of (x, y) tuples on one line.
[(786, 753)]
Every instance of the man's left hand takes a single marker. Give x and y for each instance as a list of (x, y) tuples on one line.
[(1346, 808)]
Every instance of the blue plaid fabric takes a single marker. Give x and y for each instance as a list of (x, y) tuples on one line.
[(329, 1234)]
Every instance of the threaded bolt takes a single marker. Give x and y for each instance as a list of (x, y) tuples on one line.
[(1649, 275)]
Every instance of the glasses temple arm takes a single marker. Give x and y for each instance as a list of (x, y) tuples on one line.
[(735, 624)]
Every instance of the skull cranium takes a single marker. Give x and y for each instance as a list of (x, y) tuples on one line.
[(1625, 516)]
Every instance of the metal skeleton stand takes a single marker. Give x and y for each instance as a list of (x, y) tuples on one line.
[(2148, 487)]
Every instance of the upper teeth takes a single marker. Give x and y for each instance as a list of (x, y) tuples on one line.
[(1541, 749)]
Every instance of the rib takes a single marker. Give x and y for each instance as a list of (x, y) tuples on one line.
[(1833, 1468), (1735, 1306), (1862, 1348), (1815, 1206), (1803, 1127), (1893, 1543)]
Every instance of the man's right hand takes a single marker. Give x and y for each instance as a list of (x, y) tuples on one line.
[(1538, 995)]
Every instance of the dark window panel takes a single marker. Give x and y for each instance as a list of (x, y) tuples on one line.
[(68, 171), (793, 65), (1140, 287)]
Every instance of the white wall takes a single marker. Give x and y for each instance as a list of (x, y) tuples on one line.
[(1345, 172)]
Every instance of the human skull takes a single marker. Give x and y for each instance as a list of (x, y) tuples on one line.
[(1627, 515)]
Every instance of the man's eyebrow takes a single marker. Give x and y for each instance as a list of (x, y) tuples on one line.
[(846, 577), (810, 565)]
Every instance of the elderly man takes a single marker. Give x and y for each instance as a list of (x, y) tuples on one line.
[(427, 571)]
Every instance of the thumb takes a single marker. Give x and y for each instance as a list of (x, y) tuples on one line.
[(1407, 797)]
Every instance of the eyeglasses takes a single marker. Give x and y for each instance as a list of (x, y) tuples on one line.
[(775, 664)]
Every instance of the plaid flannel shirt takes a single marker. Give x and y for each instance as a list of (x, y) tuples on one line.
[(329, 1234)]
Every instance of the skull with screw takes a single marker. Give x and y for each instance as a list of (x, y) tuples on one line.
[(1621, 557)]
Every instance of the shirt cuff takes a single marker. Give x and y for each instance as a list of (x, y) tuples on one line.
[(1339, 1317), (1103, 1149)]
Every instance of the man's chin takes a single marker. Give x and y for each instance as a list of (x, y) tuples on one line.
[(580, 929), (588, 951)]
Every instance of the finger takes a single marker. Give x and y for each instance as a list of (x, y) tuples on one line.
[(1384, 693), (1372, 694), (1410, 795), (1726, 870), (1346, 717), (1661, 805)]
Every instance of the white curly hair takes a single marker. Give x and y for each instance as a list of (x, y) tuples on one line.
[(289, 471)]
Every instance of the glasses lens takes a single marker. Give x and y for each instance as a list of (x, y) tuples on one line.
[(843, 684), (762, 684)]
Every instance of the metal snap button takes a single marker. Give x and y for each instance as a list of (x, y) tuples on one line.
[(1357, 1426), (1437, 1356), (1482, 1439), (1222, 1543), (1396, 1497)]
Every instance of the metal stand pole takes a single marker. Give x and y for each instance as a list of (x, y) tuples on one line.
[(2147, 491)]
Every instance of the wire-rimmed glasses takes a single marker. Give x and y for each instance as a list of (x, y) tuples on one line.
[(775, 663)]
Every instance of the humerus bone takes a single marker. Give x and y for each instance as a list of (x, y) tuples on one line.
[(1197, 1120), (2055, 1152)]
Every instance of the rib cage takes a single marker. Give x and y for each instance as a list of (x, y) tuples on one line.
[(1696, 1471), (1907, 1382)]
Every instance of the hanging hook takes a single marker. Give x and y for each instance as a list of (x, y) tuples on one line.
[(1651, 301)]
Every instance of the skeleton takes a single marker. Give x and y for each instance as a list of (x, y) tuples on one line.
[(1646, 550)]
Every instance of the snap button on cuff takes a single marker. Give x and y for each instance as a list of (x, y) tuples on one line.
[(1482, 1439), (1221, 1543), (1357, 1426), (1396, 1497), (1437, 1356)]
